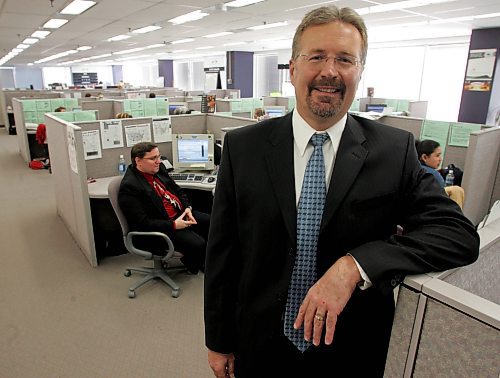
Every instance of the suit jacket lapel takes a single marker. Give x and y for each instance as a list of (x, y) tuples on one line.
[(350, 158), (279, 159)]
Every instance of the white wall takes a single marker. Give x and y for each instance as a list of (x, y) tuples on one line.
[(57, 75), (141, 74)]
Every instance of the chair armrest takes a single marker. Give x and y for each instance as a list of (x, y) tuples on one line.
[(146, 254)]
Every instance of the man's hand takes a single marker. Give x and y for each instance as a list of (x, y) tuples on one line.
[(221, 364), (326, 299), (185, 220)]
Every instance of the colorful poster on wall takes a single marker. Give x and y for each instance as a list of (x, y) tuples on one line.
[(480, 69)]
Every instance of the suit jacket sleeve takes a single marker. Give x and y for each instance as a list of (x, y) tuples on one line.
[(437, 236)]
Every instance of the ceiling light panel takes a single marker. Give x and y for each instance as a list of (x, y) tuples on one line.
[(30, 41), (120, 37), (221, 34), (188, 17), (146, 29), (185, 40), (241, 3), (41, 34), (78, 7), (55, 23)]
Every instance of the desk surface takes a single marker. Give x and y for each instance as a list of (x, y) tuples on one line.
[(99, 188)]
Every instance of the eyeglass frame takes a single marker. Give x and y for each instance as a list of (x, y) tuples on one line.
[(325, 58), (152, 158)]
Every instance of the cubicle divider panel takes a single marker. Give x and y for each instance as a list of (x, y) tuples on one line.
[(454, 344), (269, 101), (481, 169), (413, 125), (455, 155), (22, 136), (105, 107), (215, 124), (401, 333), (107, 166), (70, 177), (189, 124)]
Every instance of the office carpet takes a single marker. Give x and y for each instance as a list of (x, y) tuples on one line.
[(59, 317)]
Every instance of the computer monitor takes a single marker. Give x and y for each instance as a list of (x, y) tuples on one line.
[(274, 111), (193, 152), (379, 108)]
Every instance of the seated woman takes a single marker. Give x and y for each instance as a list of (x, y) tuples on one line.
[(429, 153)]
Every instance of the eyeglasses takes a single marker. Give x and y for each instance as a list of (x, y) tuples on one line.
[(153, 158), (343, 62)]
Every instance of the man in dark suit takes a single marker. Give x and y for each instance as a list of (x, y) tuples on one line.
[(152, 201), (374, 183)]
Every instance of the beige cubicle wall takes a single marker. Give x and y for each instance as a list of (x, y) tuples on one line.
[(70, 179), (481, 180), (480, 162), (448, 324), (106, 107), (72, 191)]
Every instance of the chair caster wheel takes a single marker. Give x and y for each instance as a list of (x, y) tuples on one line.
[(131, 294), (175, 293), (127, 273)]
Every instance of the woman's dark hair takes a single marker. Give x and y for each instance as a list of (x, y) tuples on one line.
[(426, 146), (141, 149)]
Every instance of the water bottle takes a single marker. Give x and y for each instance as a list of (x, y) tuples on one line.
[(450, 178), (122, 166)]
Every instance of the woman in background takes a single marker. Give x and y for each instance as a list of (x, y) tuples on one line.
[(430, 155)]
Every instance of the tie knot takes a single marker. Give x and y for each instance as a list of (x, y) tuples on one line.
[(319, 139)]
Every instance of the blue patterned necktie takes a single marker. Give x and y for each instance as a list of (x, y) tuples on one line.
[(309, 213)]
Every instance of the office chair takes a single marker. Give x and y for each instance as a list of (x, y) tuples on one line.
[(160, 268)]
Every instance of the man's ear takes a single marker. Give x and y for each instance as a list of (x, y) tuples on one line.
[(291, 69)]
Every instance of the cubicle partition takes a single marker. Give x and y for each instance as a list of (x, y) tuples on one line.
[(106, 107), (411, 108), (71, 170), (448, 324), (32, 111), (70, 179), (7, 95), (481, 180), (480, 162)]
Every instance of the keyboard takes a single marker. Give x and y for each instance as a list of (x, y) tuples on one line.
[(195, 177)]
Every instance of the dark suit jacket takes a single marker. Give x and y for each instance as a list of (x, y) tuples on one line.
[(143, 208), (376, 184)]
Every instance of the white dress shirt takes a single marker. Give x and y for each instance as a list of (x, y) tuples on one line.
[(302, 151)]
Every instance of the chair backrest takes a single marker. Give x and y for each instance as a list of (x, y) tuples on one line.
[(113, 189)]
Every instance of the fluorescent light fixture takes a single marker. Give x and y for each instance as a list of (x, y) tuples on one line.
[(17, 51), (268, 26), (146, 29), (487, 15), (54, 23), (30, 41), (182, 41), (241, 3), (22, 46), (178, 51), (156, 45), (78, 7), (234, 43), (132, 57), (84, 48), (30, 64), (204, 48), (57, 56), (120, 37), (221, 34), (188, 17), (41, 34), (128, 51)]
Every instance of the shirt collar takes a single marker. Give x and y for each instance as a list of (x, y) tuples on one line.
[(302, 132)]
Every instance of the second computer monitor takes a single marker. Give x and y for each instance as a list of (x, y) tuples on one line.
[(274, 111), (193, 152)]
